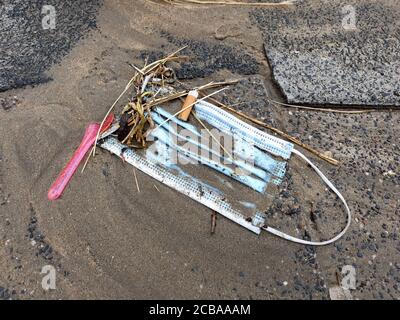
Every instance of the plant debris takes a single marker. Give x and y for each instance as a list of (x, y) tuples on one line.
[(213, 222), (234, 3), (152, 86)]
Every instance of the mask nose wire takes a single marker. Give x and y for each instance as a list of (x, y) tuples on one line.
[(336, 191)]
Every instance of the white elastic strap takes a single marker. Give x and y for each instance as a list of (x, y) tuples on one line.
[(336, 191)]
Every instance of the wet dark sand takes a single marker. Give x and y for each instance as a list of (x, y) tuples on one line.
[(108, 241)]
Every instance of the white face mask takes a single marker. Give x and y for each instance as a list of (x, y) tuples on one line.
[(266, 168)]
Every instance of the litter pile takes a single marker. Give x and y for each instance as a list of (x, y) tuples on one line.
[(150, 87), (234, 3), (157, 141)]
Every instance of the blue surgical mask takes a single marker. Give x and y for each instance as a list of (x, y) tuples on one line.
[(269, 155)]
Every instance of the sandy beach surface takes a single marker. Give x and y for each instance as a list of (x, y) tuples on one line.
[(108, 241)]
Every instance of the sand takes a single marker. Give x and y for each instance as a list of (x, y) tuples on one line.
[(106, 240)]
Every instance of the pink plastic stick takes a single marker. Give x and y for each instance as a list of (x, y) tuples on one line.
[(88, 140), (65, 176)]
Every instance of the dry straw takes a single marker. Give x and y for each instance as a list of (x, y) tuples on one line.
[(234, 3)]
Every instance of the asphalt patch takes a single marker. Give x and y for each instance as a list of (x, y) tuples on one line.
[(206, 58), (27, 50), (4, 294), (319, 56), (44, 250)]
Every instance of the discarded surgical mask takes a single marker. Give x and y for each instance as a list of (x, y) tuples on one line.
[(262, 172), (166, 133)]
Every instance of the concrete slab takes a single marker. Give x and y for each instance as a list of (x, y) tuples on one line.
[(335, 52)]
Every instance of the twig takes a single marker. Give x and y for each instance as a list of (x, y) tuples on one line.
[(86, 161), (212, 136), (155, 64), (172, 96), (145, 70), (236, 3), (213, 222), (136, 180), (136, 68), (322, 109), (109, 111), (215, 84)]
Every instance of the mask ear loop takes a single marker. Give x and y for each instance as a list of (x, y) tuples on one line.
[(336, 191)]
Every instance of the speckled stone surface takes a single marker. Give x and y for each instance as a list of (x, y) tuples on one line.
[(315, 60)]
